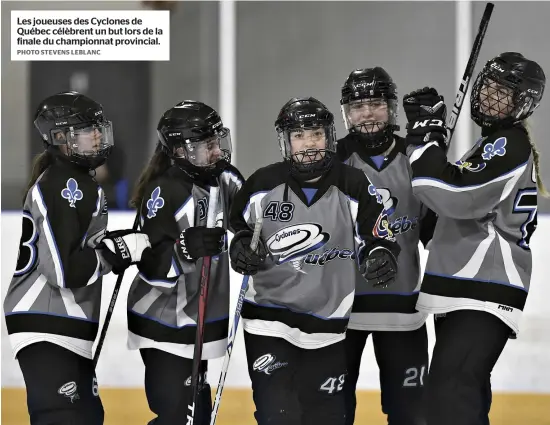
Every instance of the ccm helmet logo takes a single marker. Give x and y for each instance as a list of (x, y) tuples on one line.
[(495, 66), (306, 116)]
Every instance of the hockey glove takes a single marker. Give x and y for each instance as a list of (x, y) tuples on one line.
[(243, 259), (122, 248), (426, 113), (381, 267), (198, 242)]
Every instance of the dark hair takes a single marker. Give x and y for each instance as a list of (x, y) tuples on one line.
[(39, 164), (158, 164), (536, 160)]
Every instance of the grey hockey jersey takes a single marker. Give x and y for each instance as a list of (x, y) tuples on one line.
[(392, 308), (55, 292), (163, 298), (487, 205), (315, 233)]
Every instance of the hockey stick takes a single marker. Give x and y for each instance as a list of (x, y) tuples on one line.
[(201, 317), (111, 308), (463, 88), (233, 332)]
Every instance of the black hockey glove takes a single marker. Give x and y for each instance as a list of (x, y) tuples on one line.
[(122, 248), (426, 114), (381, 267), (243, 259), (198, 242)]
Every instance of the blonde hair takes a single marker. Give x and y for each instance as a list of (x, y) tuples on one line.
[(536, 159)]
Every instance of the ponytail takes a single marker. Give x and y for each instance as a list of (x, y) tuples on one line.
[(159, 163), (536, 159), (39, 165)]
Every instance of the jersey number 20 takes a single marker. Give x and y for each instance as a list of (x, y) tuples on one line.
[(26, 257)]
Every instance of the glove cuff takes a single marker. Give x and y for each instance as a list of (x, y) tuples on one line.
[(184, 251), (384, 249)]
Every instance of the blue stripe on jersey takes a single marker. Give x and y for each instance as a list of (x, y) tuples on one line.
[(378, 160), (296, 312), (310, 193), (475, 186), (84, 319), (154, 319), (405, 294)]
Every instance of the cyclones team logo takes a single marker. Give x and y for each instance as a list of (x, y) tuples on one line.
[(294, 242)]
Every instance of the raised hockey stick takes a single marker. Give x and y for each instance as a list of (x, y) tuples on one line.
[(233, 332), (463, 88), (196, 384), (111, 308)]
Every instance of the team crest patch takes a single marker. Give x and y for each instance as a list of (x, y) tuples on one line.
[(383, 196), (470, 166), (70, 391), (71, 192), (293, 243), (498, 147), (154, 203)]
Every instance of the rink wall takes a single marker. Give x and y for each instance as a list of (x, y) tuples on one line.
[(523, 368)]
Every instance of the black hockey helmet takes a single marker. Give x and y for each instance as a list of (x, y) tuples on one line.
[(365, 92), (77, 122), (192, 133), (304, 121), (507, 90)]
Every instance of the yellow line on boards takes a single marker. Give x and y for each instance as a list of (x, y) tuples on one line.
[(129, 406)]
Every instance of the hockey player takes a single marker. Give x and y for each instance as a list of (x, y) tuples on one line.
[(479, 268), (194, 153), (369, 107), (315, 211), (53, 302)]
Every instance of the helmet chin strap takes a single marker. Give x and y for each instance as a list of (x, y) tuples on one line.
[(312, 171), (375, 143), (206, 175)]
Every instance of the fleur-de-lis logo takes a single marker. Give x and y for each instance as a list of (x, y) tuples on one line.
[(154, 203), (72, 193), (493, 149)]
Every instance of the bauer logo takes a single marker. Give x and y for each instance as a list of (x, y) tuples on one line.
[(297, 241), (267, 364), (69, 390)]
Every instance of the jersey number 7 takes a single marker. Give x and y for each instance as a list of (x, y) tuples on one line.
[(526, 203)]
